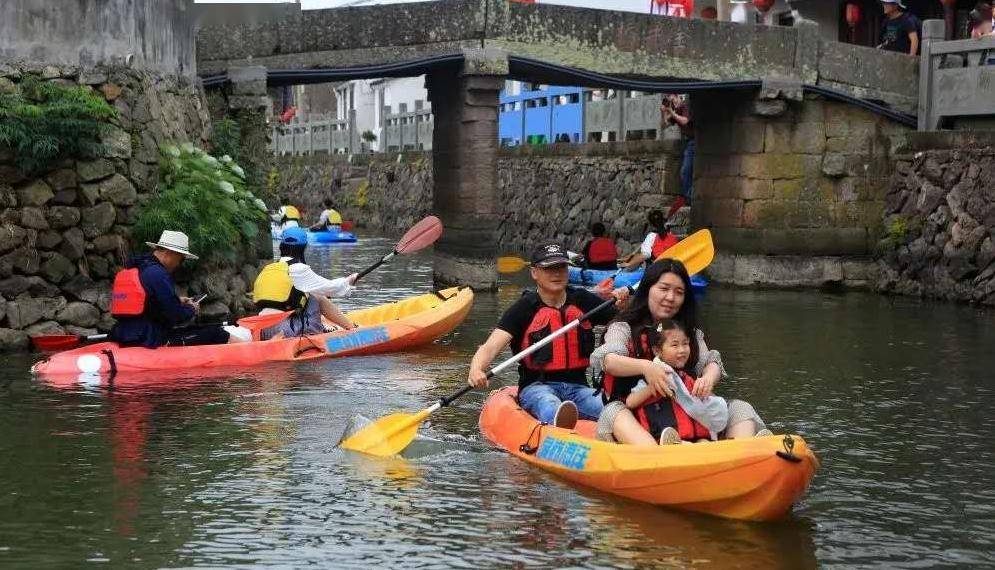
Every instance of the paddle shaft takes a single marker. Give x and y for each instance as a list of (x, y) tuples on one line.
[(383, 260), (516, 358)]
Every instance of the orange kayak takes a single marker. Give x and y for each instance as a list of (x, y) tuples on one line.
[(749, 479), (385, 328)]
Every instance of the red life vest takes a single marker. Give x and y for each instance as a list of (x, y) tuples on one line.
[(571, 351), (659, 413), (602, 250), (662, 244), (654, 415), (127, 294)]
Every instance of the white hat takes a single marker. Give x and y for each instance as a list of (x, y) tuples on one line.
[(174, 241), (900, 3)]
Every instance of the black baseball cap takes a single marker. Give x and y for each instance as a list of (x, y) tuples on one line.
[(549, 254)]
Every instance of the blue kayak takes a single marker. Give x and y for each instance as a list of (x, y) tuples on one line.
[(591, 277), (338, 236)]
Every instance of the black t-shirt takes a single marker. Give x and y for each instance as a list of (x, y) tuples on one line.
[(895, 33), (516, 319)]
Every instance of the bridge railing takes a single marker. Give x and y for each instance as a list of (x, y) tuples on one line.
[(606, 115), (315, 134), (407, 130), (956, 79)]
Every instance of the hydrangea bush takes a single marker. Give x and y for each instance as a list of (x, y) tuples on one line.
[(206, 198)]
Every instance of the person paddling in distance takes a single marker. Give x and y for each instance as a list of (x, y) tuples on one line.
[(625, 358), (148, 310), (601, 252), (287, 217), (659, 240), (552, 381), (329, 220), (674, 415), (289, 284)]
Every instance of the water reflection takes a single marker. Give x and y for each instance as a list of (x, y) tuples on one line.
[(243, 468)]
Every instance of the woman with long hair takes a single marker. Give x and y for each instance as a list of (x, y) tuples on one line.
[(625, 357)]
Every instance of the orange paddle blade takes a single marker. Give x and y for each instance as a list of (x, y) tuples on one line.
[(257, 323), (420, 236)]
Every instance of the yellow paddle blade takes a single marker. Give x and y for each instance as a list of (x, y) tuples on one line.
[(387, 436), (511, 264), (695, 251)]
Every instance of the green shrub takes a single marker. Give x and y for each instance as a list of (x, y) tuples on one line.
[(226, 139), (207, 199), (43, 122)]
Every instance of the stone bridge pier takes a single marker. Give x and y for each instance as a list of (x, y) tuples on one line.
[(464, 158), (792, 186)]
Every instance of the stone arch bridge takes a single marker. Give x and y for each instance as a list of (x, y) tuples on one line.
[(795, 134)]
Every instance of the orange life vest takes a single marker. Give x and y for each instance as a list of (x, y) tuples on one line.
[(602, 250), (662, 244), (127, 294), (571, 351)]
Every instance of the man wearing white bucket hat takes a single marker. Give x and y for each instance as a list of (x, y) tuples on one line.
[(145, 304), (289, 284), (900, 31)]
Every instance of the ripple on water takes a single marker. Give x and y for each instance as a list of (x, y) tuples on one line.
[(243, 469)]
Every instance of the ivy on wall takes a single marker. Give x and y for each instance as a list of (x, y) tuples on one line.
[(43, 122)]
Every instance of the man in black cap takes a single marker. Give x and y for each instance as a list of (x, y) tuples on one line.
[(552, 382)]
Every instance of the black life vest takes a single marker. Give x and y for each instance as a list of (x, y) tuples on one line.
[(660, 413), (618, 388), (602, 250), (571, 351)]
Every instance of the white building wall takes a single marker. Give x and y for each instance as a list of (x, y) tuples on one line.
[(370, 95)]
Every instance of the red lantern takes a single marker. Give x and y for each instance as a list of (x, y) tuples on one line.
[(763, 5), (853, 15)]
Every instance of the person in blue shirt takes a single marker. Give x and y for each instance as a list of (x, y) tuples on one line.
[(148, 310)]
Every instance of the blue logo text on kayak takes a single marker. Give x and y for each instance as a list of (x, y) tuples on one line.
[(358, 339), (569, 454)]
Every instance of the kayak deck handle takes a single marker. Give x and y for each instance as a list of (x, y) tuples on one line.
[(788, 453), (527, 448)]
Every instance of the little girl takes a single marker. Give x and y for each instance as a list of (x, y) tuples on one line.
[(681, 416)]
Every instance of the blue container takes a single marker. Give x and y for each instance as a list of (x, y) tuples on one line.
[(331, 237), (591, 277)]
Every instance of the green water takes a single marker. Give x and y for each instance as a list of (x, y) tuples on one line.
[(243, 470)]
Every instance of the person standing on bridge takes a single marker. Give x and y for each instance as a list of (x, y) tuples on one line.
[(900, 32), (675, 111)]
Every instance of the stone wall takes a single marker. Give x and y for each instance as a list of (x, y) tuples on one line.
[(143, 34), (939, 224), (65, 232), (575, 184), (793, 190), (558, 191)]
